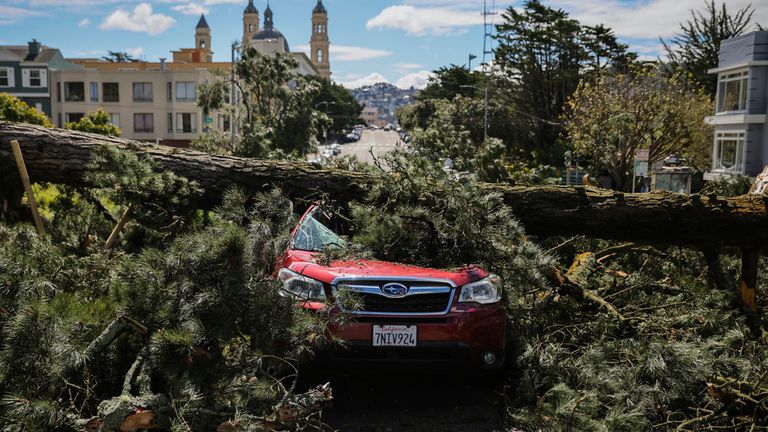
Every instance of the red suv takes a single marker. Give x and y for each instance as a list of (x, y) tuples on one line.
[(405, 313)]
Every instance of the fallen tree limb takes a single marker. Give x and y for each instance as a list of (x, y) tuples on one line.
[(572, 283), (62, 156)]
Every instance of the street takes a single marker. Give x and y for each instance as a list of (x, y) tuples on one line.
[(381, 142)]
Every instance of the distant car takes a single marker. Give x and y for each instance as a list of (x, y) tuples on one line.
[(407, 314), (351, 137)]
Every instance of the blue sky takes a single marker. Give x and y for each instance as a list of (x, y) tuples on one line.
[(399, 41)]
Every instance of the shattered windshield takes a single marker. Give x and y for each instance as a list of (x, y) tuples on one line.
[(316, 232)]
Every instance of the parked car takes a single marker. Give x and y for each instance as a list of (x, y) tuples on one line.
[(408, 314)]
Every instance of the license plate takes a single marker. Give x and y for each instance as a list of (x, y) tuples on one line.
[(394, 335)]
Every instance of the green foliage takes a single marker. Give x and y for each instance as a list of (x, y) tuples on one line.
[(217, 326), (696, 48), (160, 200), (277, 116), (213, 142), (98, 122), (580, 370), (454, 130), (339, 104), (447, 82), (15, 110), (610, 119), (728, 186), (544, 54)]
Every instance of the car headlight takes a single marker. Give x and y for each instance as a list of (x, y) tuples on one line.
[(484, 291), (299, 286)]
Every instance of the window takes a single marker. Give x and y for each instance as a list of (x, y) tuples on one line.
[(36, 78), (142, 92), (186, 122), (169, 90), (185, 91), (318, 231), (223, 122), (170, 122), (114, 118), (143, 123), (94, 91), (6, 77), (729, 151), (74, 117), (320, 55), (202, 44), (111, 91), (732, 92), (250, 28), (74, 91)]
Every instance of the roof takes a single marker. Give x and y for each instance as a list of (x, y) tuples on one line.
[(319, 8), (202, 23), (250, 8), (271, 33), (21, 52)]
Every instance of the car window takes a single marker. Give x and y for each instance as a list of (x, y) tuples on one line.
[(314, 233)]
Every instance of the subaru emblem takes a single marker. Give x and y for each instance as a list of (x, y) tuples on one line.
[(394, 289)]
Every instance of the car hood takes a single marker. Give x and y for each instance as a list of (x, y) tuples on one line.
[(305, 263)]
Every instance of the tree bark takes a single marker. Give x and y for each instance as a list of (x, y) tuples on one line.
[(62, 156)]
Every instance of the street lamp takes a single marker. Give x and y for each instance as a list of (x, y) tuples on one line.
[(326, 103)]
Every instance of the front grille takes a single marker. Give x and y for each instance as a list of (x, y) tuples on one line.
[(423, 297), (410, 304)]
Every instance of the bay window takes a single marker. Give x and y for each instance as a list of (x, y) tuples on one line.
[(732, 92), (729, 151)]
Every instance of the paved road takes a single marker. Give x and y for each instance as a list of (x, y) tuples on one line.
[(379, 140)]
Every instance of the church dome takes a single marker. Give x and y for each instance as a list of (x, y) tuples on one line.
[(271, 34)]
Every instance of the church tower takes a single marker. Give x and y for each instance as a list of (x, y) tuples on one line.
[(203, 39), (319, 44), (250, 22)]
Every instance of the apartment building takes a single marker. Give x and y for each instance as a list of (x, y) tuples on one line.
[(741, 131), (148, 101)]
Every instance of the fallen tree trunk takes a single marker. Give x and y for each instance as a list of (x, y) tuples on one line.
[(62, 156)]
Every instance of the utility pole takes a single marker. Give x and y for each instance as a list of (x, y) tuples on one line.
[(487, 51), (233, 101)]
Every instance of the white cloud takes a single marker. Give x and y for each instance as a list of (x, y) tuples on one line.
[(646, 19), (408, 66), (9, 14), (140, 20), (215, 2), (353, 81), (351, 53), (135, 52), (417, 80), (84, 22), (424, 21), (191, 9)]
